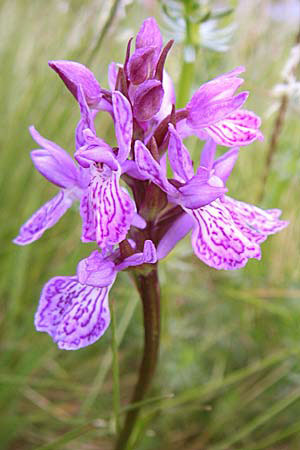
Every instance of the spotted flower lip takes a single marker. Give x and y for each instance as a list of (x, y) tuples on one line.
[(74, 310), (110, 208), (141, 194)]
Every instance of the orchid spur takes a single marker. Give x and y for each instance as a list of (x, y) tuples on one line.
[(130, 209)]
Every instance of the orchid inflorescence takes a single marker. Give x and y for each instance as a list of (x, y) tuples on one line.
[(136, 227)]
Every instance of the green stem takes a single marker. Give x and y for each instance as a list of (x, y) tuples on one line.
[(190, 49), (148, 287), (185, 82)]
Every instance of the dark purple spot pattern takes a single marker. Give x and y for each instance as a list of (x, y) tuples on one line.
[(217, 240), (44, 218), (74, 315), (239, 128), (88, 228), (111, 208), (255, 223)]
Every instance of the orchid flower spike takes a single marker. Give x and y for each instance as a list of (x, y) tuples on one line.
[(131, 210)]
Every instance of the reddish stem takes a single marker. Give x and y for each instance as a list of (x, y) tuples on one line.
[(149, 290)]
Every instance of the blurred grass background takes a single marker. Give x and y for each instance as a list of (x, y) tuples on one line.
[(229, 371)]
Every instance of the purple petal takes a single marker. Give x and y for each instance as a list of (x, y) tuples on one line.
[(202, 175), (95, 150), (86, 121), (183, 129), (96, 270), (141, 65), (196, 194), (112, 75), (86, 157), (45, 143), (223, 166), (179, 156), (175, 233), (86, 115), (232, 73), (149, 35), (53, 162), (220, 88), (275, 212), (88, 226), (246, 118), (255, 223), (208, 154), (149, 252), (148, 256), (138, 221), (83, 177), (212, 112), (147, 100), (217, 241), (91, 140), (112, 208), (52, 168), (130, 168), (151, 169), (73, 314), (74, 75), (123, 124), (239, 128), (44, 218)]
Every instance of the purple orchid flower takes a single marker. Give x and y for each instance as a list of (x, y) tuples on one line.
[(214, 111), (74, 310)]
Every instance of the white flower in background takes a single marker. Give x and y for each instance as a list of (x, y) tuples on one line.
[(289, 86)]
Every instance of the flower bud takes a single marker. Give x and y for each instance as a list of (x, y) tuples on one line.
[(141, 65), (147, 100)]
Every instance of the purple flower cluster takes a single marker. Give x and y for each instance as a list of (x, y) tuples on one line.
[(136, 227)]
